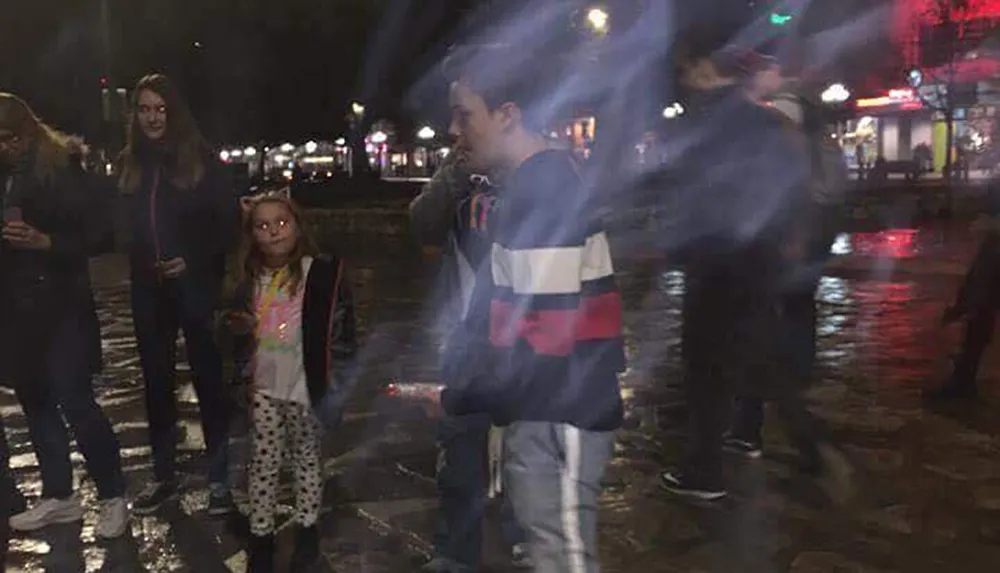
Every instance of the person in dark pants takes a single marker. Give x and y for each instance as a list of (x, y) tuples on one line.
[(817, 221), (977, 302), (53, 222), (744, 179), (183, 224), (452, 212)]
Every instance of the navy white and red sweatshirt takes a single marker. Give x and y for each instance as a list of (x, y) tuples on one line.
[(555, 318)]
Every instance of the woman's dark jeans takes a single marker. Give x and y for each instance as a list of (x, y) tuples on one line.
[(63, 388), (159, 311)]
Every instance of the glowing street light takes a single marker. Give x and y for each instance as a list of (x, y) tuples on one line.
[(357, 108), (597, 19), (379, 137), (287, 148), (836, 93), (224, 155), (340, 141), (236, 153), (673, 111), (250, 151), (311, 147), (426, 133)]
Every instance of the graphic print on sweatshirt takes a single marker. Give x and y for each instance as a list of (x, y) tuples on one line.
[(279, 370)]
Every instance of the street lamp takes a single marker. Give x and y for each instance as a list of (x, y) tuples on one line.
[(357, 108), (311, 147), (379, 137), (250, 151), (287, 148), (340, 141), (673, 111), (426, 133), (597, 19), (224, 155), (836, 93)]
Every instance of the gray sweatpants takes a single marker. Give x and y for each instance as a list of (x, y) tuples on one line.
[(552, 473)]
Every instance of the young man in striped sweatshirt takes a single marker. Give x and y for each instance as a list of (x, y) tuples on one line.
[(554, 316)]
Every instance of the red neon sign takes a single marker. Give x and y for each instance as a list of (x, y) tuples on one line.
[(903, 98)]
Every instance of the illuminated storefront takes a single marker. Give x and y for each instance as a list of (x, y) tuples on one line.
[(891, 125)]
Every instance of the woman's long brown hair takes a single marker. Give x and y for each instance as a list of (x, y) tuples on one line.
[(52, 147), (183, 143), (251, 260)]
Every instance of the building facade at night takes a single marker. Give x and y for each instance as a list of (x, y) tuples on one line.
[(944, 46)]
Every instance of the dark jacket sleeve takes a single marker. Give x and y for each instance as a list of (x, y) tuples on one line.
[(433, 211), (343, 341), (87, 227)]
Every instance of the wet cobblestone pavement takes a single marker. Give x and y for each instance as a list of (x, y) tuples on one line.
[(930, 480)]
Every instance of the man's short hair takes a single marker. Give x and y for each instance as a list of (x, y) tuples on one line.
[(501, 73)]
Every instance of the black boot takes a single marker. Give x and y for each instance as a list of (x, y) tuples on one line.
[(261, 554), (306, 548)]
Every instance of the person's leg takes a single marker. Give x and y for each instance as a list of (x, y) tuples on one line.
[(978, 334), (197, 316), (461, 481), (710, 317), (154, 313), (553, 473), (510, 527), (269, 437), (49, 438), (305, 443), (51, 444), (709, 406), (68, 377), (748, 419)]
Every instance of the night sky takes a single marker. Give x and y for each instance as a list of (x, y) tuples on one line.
[(272, 69), (251, 68)]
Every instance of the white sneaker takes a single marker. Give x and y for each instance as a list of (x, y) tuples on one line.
[(520, 557), (113, 521), (48, 512)]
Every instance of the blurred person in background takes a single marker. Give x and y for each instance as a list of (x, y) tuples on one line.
[(49, 334), (453, 213), (976, 304), (817, 218), (742, 178), (184, 218)]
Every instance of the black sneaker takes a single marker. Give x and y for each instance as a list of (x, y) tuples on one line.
[(743, 448), (220, 500), (153, 496), (675, 483)]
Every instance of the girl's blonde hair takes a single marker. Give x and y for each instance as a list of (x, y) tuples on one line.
[(251, 260)]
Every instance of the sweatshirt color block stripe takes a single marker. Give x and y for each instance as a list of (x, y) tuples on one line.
[(556, 312)]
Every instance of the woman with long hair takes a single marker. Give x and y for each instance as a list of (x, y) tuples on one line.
[(183, 222), (49, 338)]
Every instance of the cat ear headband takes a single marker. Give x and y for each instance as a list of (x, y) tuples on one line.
[(249, 202)]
